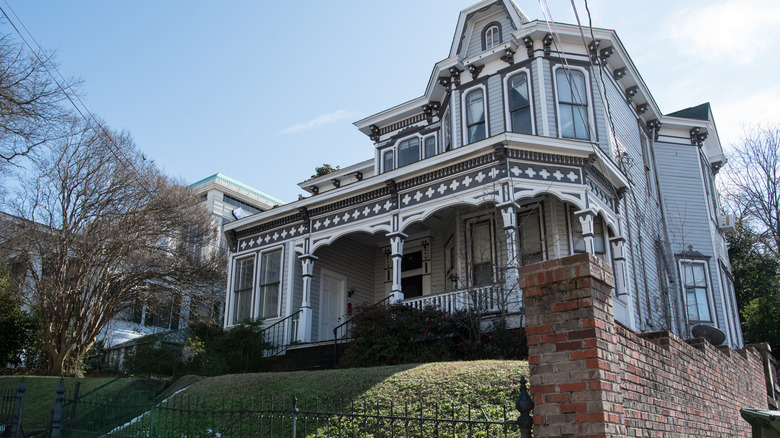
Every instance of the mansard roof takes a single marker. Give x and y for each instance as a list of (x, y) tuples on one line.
[(698, 112)]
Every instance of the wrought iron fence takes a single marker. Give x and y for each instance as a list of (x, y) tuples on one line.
[(181, 415), (11, 404)]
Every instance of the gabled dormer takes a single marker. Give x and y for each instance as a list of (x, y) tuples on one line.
[(484, 26)]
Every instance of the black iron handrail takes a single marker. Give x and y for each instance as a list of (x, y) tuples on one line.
[(346, 329), (277, 335)]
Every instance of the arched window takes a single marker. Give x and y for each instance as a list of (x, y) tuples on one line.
[(475, 115), (519, 104), (572, 104), (491, 35), (408, 151)]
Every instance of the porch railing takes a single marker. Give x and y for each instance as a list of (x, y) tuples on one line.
[(343, 332), (281, 334), (493, 298)]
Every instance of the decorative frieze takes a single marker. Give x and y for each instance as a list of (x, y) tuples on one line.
[(452, 186), (275, 236), (546, 172)]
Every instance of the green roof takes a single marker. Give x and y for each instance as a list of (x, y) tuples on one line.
[(238, 184), (698, 112)]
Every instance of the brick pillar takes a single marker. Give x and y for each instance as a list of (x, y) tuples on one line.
[(572, 353)]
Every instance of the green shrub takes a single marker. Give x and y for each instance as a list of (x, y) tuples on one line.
[(213, 350), (398, 334)]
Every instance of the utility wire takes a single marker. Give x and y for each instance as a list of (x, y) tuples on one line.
[(89, 118)]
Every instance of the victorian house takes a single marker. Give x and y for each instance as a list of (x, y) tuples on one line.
[(532, 141)]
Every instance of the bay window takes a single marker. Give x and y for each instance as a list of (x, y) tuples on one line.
[(475, 116), (243, 282), (481, 251), (270, 282), (529, 233), (519, 104), (572, 104)]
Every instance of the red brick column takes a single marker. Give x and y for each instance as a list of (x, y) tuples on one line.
[(572, 350)]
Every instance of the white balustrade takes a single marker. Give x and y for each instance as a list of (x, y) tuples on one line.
[(485, 299)]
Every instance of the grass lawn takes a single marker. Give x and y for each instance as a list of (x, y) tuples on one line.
[(489, 387), (41, 392), (444, 389)]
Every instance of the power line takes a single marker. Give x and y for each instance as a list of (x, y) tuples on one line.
[(89, 118)]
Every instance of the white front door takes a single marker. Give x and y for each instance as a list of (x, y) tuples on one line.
[(331, 303)]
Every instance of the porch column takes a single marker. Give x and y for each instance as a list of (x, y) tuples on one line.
[(397, 253), (509, 216), (304, 320), (586, 220)]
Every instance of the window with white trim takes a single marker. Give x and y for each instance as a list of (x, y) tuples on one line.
[(475, 115), (429, 146), (696, 288), (481, 251), (446, 132), (519, 104), (529, 235), (243, 288), (409, 151), (647, 158), (387, 160), (572, 104), (270, 284), (491, 36)]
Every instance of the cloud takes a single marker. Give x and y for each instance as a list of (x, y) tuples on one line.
[(321, 120), (729, 31)]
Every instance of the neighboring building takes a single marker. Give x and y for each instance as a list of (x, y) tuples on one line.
[(226, 199), (526, 146)]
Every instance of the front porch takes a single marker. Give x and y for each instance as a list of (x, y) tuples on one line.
[(457, 258)]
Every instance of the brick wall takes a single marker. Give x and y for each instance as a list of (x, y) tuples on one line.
[(593, 378)]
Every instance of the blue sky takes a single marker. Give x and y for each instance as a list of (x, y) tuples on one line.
[(264, 92)]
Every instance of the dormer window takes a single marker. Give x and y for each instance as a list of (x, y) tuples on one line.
[(408, 151), (491, 35), (387, 161)]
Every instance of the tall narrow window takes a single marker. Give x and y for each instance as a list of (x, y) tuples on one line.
[(694, 282), (529, 231), (408, 151), (475, 115), (243, 279), (648, 162), (446, 132), (572, 104), (430, 146), (482, 266), (270, 280), (519, 104), (387, 161)]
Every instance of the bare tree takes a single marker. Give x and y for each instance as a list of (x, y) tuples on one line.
[(29, 99), (753, 183), (100, 228)]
